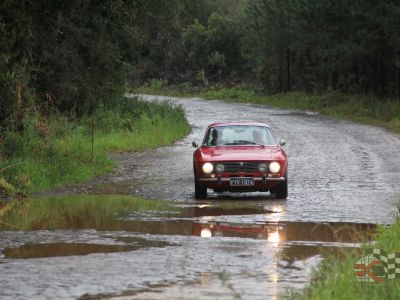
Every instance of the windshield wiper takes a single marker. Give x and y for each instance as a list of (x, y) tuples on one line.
[(245, 142)]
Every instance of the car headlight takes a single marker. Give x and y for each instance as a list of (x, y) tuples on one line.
[(219, 168), (262, 167), (208, 168), (274, 167)]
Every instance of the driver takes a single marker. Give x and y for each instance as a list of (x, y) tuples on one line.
[(216, 137)]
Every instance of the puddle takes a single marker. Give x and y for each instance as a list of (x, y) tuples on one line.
[(224, 219), (72, 249), (62, 249), (74, 212), (237, 233)]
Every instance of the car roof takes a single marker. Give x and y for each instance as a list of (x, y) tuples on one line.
[(239, 123)]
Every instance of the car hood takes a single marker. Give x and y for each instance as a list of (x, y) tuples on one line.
[(240, 153)]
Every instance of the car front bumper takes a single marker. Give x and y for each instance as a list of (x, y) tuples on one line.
[(256, 179), (263, 183)]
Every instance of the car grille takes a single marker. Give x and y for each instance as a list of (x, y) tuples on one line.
[(233, 167)]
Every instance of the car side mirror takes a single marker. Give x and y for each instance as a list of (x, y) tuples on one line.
[(194, 144), (282, 142)]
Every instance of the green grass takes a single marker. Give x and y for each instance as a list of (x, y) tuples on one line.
[(57, 150), (335, 278), (78, 211), (359, 108)]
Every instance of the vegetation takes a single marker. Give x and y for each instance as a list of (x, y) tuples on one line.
[(361, 108), (335, 278), (286, 45), (64, 61), (65, 65), (57, 150), (71, 212), (348, 46), (71, 56)]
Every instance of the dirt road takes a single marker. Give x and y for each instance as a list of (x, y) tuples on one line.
[(343, 179)]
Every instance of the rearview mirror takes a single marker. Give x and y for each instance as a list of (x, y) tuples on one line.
[(282, 142), (194, 144)]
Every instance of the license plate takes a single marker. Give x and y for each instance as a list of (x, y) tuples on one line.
[(241, 181)]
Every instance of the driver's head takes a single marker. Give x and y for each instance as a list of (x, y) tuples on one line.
[(214, 133)]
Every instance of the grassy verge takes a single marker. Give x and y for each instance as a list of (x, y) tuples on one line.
[(335, 278), (359, 108), (66, 212), (57, 150)]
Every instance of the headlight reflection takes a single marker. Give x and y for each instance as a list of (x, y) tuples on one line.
[(205, 232), (273, 237)]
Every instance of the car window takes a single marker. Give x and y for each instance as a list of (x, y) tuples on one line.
[(239, 135)]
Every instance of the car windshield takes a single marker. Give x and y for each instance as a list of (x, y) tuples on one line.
[(239, 135)]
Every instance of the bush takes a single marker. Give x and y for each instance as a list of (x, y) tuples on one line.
[(50, 152)]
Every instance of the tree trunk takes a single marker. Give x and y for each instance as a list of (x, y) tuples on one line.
[(398, 83), (20, 104), (287, 69)]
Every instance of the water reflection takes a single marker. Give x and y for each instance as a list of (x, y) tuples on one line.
[(62, 249), (33, 250), (205, 232), (274, 237), (287, 241), (272, 232)]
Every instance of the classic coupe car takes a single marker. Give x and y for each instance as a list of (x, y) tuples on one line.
[(240, 157)]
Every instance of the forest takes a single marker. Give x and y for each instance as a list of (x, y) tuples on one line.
[(70, 75), (71, 56)]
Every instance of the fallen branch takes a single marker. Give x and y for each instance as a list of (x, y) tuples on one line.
[(11, 166)]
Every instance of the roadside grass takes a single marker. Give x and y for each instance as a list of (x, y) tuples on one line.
[(335, 279), (72, 212), (360, 108), (57, 150)]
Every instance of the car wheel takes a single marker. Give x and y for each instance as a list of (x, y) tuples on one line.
[(281, 190), (200, 191)]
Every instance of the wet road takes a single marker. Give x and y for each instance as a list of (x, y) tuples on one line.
[(342, 178), (339, 171)]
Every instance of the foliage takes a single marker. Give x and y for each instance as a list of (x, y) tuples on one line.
[(72, 56), (367, 109), (57, 150), (335, 278), (349, 46), (59, 55), (65, 60)]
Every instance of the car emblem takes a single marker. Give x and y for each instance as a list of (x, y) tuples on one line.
[(241, 164)]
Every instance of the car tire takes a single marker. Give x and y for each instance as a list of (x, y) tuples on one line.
[(281, 190), (200, 191)]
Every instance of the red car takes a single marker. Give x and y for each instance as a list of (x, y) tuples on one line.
[(240, 157)]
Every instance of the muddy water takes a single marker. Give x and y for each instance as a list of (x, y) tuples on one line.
[(193, 250), (343, 180), (61, 249)]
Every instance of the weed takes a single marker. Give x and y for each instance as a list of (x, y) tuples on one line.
[(335, 277), (361, 108), (58, 150)]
